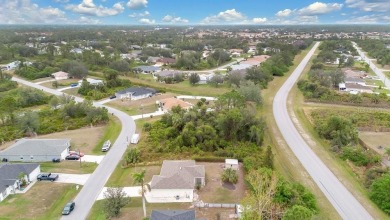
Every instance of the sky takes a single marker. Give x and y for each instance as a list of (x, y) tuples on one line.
[(191, 12)]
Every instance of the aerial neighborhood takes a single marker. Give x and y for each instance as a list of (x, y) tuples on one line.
[(193, 122)]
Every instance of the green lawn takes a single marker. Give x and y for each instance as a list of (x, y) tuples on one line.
[(44, 201), (67, 166), (135, 110), (123, 176), (111, 133)]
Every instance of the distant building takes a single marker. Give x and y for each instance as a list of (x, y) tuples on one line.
[(93, 82), (168, 103), (146, 69), (60, 75), (165, 61), (231, 164)]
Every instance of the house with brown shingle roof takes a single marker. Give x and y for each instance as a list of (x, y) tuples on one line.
[(177, 181), (167, 104)]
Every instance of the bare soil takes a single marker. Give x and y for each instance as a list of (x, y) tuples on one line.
[(377, 141), (216, 191), (84, 139)]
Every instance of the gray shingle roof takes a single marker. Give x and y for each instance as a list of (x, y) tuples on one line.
[(37, 147), (147, 68), (137, 91), (172, 215), (9, 173), (177, 174)]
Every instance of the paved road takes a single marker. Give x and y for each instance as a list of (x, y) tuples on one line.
[(341, 199), (377, 71), (94, 185)]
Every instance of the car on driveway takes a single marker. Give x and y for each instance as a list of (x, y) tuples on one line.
[(106, 146), (47, 176), (68, 208), (72, 157), (80, 154)]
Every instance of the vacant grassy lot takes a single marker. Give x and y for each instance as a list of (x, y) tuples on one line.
[(140, 124), (69, 166), (123, 176), (182, 87), (110, 132), (61, 83), (79, 139), (44, 201), (216, 191)]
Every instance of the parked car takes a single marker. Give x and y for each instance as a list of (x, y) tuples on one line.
[(56, 160), (74, 85), (106, 146), (113, 97), (68, 208), (80, 154), (47, 176), (72, 157)]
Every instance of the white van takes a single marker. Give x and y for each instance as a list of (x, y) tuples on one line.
[(135, 139), (106, 146)]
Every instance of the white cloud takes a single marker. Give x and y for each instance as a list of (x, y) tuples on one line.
[(284, 13), (230, 16), (137, 15), (88, 20), (137, 4), (319, 8), (369, 5), (259, 20), (61, 1), (146, 21), (87, 7), (25, 12), (173, 19), (367, 19)]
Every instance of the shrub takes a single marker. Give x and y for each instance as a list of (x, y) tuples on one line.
[(358, 156), (380, 192), (229, 176)]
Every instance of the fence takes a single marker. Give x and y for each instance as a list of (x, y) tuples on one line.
[(215, 205)]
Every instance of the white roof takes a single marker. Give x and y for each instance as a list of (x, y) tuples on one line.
[(231, 161)]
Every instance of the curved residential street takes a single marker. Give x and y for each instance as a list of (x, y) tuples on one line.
[(343, 201), (95, 183)]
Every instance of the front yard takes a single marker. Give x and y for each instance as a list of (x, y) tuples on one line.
[(45, 200), (123, 176), (69, 166)]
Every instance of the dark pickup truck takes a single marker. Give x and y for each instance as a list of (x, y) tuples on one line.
[(47, 176)]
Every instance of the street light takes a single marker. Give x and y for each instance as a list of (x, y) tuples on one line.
[(142, 110)]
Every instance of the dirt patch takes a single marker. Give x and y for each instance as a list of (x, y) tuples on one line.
[(84, 139), (377, 141), (216, 191)]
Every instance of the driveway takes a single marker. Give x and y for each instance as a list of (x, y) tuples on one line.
[(133, 191), (92, 158), (80, 179)]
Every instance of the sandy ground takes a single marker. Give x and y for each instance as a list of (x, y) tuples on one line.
[(84, 139), (215, 191), (376, 139)]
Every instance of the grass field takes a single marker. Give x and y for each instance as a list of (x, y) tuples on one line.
[(111, 132), (376, 139), (44, 201), (68, 166), (123, 176)]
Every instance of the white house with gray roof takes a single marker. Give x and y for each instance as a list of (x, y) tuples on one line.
[(177, 181), (135, 93), (37, 150), (10, 177)]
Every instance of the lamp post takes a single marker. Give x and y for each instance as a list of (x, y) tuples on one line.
[(142, 110)]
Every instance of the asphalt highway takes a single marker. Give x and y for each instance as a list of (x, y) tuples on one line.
[(339, 196)]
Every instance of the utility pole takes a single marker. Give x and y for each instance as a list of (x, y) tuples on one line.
[(80, 157)]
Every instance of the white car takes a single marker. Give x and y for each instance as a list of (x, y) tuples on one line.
[(106, 146)]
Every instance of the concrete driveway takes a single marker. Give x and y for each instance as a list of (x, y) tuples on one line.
[(92, 158), (73, 178), (133, 191)]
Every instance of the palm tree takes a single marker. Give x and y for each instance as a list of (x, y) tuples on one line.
[(139, 179)]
